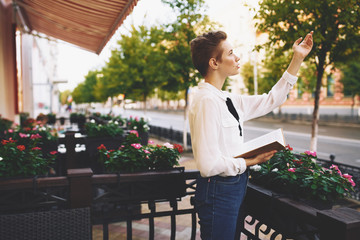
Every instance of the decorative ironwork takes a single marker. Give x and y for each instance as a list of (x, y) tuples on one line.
[(119, 198)]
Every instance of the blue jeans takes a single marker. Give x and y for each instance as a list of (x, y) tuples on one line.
[(218, 201)]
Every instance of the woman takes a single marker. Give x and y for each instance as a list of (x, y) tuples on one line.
[(216, 121)]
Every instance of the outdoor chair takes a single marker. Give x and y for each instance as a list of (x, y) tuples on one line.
[(74, 224)]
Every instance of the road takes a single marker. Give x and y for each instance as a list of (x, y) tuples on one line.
[(343, 142)]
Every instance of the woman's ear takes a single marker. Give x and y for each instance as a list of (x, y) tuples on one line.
[(213, 63)]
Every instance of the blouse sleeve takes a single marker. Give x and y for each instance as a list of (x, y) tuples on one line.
[(258, 105)]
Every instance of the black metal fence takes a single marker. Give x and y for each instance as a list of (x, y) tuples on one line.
[(324, 118)]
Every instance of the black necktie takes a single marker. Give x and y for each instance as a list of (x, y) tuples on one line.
[(233, 111)]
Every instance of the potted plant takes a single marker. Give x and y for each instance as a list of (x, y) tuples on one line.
[(141, 126), (51, 118), (47, 137), (5, 124), (132, 156), (23, 117), (302, 178), (73, 117), (110, 135), (19, 160), (154, 165)]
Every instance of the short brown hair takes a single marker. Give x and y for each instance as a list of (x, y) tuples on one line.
[(204, 47)]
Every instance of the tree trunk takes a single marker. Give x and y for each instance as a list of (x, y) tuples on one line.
[(315, 122), (185, 120), (145, 107), (111, 104), (353, 105)]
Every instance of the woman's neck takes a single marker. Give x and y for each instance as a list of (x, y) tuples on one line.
[(215, 80)]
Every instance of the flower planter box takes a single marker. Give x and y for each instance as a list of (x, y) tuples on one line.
[(123, 193), (147, 185), (295, 219)]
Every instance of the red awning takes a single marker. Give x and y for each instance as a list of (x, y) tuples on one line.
[(88, 24)]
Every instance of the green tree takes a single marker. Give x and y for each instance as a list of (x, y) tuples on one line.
[(138, 63), (351, 80), (247, 73), (190, 21), (273, 68), (336, 29), (84, 92), (64, 96)]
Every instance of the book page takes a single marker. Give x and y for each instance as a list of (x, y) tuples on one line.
[(271, 141)]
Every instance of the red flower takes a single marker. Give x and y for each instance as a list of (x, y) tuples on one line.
[(53, 152), (178, 147), (21, 147), (4, 142), (299, 162), (36, 148), (288, 147), (101, 147)]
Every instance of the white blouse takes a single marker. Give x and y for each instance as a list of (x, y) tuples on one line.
[(215, 135)]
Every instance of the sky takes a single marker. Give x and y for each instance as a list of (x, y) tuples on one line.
[(74, 63)]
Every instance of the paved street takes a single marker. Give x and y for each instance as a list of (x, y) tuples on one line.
[(341, 141)]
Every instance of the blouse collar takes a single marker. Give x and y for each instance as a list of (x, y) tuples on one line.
[(221, 94)]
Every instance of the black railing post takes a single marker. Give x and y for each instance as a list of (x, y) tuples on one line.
[(152, 206), (174, 205), (128, 222), (193, 219), (80, 187), (70, 143)]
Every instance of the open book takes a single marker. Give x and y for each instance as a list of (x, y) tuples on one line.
[(271, 141)]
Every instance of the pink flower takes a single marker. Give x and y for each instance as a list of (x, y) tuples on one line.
[(347, 176), (22, 135), (134, 132), (136, 119), (35, 136), (352, 182), (10, 130), (291, 169), (168, 145), (336, 168), (146, 151), (311, 153), (150, 142), (136, 145)]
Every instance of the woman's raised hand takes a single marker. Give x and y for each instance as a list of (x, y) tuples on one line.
[(302, 48)]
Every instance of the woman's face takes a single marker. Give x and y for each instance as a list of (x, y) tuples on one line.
[(228, 64)]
